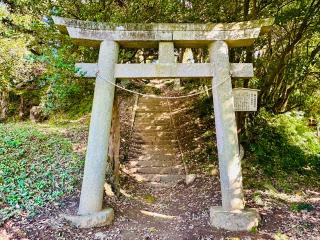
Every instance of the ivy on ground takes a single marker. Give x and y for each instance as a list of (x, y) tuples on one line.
[(36, 167)]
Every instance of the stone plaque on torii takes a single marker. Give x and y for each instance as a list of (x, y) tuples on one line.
[(232, 215)]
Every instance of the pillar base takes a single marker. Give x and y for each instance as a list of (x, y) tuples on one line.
[(98, 219), (237, 220)]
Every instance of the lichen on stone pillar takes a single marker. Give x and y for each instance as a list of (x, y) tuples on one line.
[(231, 215), (90, 211)]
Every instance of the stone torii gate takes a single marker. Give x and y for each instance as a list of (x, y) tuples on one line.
[(218, 38)]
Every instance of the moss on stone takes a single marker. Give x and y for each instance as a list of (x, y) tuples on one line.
[(263, 23)]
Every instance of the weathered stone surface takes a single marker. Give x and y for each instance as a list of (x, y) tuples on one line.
[(63, 22), (176, 169), (86, 69), (184, 35), (237, 220), (98, 219), (190, 178), (166, 52), (154, 161), (214, 35), (99, 132), (87, 35), (226, 129), (161, 70), (166, 55)]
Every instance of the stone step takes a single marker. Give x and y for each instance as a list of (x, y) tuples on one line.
[(160, 185), (153, 109), (150, 156), (148, 122), (153, 141), (153, 105), (156, 102), (153, 163), (154, 148), (178, 169), (150, 117), (160, 143), (145, 117), (150, 128), (152, 100), (150, 107), (153, 132), (135, 153), (156, 157), (164, 178), (136, 142), (152, 114), (153, 121), (152, 125), (153, 136)]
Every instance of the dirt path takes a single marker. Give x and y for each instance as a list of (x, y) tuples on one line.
[(184, 216)]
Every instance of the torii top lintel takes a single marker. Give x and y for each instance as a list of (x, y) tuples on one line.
[(138, 35)]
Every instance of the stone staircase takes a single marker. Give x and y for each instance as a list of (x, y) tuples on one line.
[(154, 153)]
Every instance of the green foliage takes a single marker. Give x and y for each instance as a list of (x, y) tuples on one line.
[(149, 198), (37, 63), (254, 230), (298, 207), (204, 107), (288, 71), (285, 149), (15, 69), (36, 167), (286, 68), (197, 135)]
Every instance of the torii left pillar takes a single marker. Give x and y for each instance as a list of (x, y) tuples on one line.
[(91, 212)]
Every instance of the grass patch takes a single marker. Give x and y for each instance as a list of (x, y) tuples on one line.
[(36, 167), (149, 198), (298, 207)]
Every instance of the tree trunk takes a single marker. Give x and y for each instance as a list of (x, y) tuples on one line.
[(114, 148), (4, 105), (246, 6)]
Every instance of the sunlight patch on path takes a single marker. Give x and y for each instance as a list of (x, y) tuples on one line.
[(157, 215)]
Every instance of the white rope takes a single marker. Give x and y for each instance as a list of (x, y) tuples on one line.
[(157, 96)]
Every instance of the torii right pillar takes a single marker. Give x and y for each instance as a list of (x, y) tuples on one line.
[(231, 215)]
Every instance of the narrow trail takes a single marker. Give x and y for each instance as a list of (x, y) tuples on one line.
[(174, 212)]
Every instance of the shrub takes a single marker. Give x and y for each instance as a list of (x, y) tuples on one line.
[(284, 147)]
